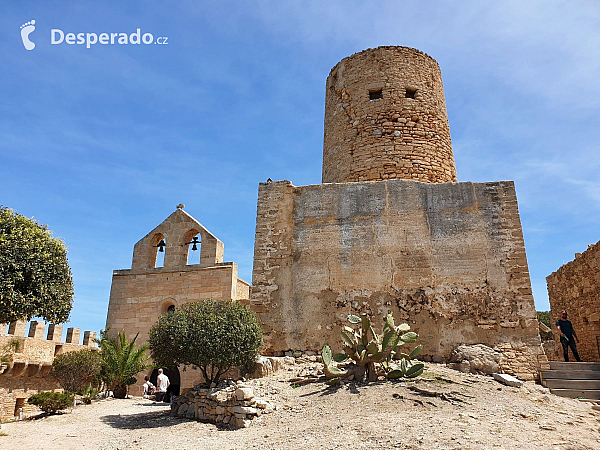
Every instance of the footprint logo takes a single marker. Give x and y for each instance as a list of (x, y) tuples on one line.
[(26, 30)]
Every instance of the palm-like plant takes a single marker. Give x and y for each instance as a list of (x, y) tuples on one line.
[(121, 361)]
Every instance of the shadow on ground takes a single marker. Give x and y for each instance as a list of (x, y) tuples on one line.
[(153, 419)]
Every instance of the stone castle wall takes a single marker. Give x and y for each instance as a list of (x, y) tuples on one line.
[(28, 372), (449, 259), (575, 287), (404, 133)]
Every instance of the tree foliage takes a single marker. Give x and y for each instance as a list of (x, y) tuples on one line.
[(51, 402), (35, 278), (121, 361), (544, 317), (210, 335), (75, 370)]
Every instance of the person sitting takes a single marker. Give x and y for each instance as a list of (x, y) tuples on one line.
[(149, 388)]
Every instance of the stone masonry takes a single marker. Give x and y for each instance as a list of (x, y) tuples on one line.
[(448, 258), (575, 287), (28, 372), (140, 295), (385, 117), (233, 405)]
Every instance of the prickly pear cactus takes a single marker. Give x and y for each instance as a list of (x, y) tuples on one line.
[(374, 354)]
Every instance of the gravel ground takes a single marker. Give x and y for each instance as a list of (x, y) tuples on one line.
[(442, 410)]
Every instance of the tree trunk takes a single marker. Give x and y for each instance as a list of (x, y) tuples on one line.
[(120, 391)]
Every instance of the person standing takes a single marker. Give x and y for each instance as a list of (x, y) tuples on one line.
[(162, 383), (567, 336)]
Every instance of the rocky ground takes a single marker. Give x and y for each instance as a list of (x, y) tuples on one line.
[(443, 409)]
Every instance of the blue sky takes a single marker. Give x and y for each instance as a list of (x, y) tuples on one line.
[(102, 143)]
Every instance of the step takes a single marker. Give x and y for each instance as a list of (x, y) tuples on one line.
[(560, 365), (571, 374), (577, 393), (586, 385)]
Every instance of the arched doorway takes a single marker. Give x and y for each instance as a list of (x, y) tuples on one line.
[(174, 380)]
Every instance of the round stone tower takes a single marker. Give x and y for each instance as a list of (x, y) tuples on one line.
[(385, 117)]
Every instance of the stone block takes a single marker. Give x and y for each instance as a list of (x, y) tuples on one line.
[(73, 335), (36, 329), (507, 379), (244, 393), (17, 328), (89, 338)]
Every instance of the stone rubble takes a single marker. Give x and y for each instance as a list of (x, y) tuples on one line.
[(232, 404)]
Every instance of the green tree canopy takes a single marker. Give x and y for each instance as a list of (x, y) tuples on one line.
[(35, 278), (210, 335), (75, 370)]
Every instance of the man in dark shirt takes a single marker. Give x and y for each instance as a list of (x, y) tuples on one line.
[(567, 336)]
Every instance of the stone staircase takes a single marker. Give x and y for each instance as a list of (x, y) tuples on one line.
[(573, 379)]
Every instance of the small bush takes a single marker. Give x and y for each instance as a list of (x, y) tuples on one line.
[(75, 370), (544, 317), (211, 335), (51, 402), (88, 393)]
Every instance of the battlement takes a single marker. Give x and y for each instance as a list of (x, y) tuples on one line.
[(34, 347)]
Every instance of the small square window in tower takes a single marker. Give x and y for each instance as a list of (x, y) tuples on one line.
[(410, 93), (375, 95)]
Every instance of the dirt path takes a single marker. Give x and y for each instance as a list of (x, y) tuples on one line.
[(448, 410)]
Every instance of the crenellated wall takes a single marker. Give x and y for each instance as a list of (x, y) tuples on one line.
[(32, 353)]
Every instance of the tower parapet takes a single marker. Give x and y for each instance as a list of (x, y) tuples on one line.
[(385, 117)]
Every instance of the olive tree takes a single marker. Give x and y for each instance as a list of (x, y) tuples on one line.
[(211, 335), (35, 278), (75, 370)]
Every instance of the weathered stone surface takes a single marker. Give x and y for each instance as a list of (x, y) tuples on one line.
[(447, 258), (475, 359), (507, 379), (244, 393), (575, 287)]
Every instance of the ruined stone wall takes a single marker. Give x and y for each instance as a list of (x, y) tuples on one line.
[(385, 117), (575, 287), (231, 404), (31, 361), (449, 259)]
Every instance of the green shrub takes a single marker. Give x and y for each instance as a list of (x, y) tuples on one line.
[(51, 402), (210, 335), (75, 370), (544, 317), (88, 393)]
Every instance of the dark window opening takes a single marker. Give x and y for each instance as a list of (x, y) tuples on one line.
[(410, 93), (375, 95), (171, 309), (20, 403)]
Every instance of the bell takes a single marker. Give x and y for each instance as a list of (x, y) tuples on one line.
[(161, 245), (194, 248)]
